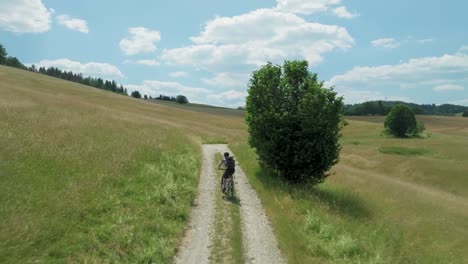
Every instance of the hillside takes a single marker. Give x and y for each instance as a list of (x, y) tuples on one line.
[(89, 175), (92, 176)]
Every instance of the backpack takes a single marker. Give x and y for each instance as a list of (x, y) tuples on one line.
[(230, 163)]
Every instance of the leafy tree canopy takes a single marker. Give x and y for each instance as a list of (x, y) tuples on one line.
[(136, 94), (401, 121), (181, 99), (294, 121)]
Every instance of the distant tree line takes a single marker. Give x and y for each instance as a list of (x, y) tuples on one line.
[(181, 99), (99, 83), (384, 107)]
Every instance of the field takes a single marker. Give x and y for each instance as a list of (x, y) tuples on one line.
[(91, 176), (388, 200)]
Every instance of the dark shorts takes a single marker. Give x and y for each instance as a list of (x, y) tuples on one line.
[(228, 173)]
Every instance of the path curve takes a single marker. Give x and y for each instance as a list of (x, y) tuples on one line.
[(260, 244)]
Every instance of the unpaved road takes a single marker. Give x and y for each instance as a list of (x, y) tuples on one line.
[(260, 245)]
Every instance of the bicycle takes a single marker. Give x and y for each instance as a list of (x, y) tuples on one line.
[(228, 189)]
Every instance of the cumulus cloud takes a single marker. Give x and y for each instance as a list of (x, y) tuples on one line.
[(305, 7), (154, 88), (227, 79), (178, 74), (142, 40), (418, 73), (73, 23), (448, 88), (388, 43), (231, 98), (259, 36), (94, 69), (342, 12), (25, 16)]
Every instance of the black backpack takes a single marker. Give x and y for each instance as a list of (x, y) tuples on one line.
[(230, 163)]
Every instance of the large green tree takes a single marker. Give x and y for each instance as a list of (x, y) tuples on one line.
[(401, 121), (294, 121)]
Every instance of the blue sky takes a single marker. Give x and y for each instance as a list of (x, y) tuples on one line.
[(396, 50)]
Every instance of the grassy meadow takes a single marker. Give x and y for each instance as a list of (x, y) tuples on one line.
[(95, 177), (388, 200), (91, 176)]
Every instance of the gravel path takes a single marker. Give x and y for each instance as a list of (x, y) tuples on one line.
[(260, 245), (196, 244)]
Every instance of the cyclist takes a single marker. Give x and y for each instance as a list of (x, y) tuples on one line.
[(229, 164)]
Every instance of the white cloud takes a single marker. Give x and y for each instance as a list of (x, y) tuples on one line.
[(259, 36), (342, 12), (226, 79), (460, 102), (154, 88), (448, 88), (420, 73), (305, 7), (94, 69), (228, 95), (24, 16), (178, 74), (352, 96), (73, 23), (141, 40), (148, 62), (388, 43), (229, 98)]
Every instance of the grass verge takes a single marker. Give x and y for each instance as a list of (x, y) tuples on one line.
[(323, 224), (403, 151)]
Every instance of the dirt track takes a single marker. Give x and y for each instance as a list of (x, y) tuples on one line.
[(260, 245)]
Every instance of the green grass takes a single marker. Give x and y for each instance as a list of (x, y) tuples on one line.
[(91, 176), (358, 217), (403, 151), (214, 140)]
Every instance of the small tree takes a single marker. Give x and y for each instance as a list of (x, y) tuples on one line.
[(145, 97), (465, 114), (294, 121), (181, 99), (136, 94), (3, 54), (401, 121)]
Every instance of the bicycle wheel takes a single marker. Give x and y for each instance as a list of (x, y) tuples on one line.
[(229, 189)]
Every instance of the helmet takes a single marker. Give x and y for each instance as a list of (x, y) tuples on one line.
[(226, 154)]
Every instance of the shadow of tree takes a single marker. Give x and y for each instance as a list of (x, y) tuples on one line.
[(335, 199)]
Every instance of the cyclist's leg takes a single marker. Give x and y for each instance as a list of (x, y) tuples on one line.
[(232, 182), (223, 181)]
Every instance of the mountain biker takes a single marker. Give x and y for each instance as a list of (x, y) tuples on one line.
[(228, 163)]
